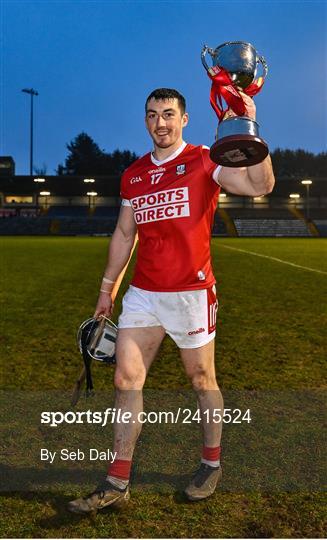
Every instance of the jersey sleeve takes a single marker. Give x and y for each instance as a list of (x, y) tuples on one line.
[(211, 168)]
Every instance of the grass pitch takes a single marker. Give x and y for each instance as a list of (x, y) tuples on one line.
[(270, 337)]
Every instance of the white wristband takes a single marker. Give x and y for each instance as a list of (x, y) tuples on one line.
[(106, 280), (108, 292)]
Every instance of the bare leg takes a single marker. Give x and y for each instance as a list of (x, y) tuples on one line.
[(136, 349), (199, 365)]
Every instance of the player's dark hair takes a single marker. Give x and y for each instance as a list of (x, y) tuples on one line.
[(167, 93)]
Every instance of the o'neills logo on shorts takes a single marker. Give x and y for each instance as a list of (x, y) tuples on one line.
[(170, 204), (198, 331)]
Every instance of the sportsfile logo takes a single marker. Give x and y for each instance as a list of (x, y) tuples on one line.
[(169, 204)]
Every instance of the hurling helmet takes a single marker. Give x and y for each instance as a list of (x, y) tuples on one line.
[(96, 340)]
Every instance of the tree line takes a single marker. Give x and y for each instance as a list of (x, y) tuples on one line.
[(85, 157), (298, 163)]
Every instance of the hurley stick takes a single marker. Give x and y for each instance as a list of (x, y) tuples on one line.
[(79, 382)]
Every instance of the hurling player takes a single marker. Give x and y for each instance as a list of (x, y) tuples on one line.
[(169, 197)]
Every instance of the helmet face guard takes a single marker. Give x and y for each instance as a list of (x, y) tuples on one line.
[(97, 340)]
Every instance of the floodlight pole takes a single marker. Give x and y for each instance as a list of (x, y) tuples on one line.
[(307, 184), (308, 201), (32, 93)]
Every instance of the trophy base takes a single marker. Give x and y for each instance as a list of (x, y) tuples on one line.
[(239, 151)]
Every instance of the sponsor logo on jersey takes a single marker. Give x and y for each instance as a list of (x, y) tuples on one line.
[(198, 331), (181, 169), (169, 204), (135, 179), (201, 275), (157, 170)]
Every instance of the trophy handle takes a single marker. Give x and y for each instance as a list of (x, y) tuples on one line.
[(264, 64), (204, 51)]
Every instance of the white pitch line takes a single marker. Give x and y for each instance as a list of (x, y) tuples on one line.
[(274, 259)]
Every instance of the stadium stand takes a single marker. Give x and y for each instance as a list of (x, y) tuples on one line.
[(106, 211), (87, 226), (260, 213), (321, 225), (219, 227), (24, 226), (63, 226), (69, 210), (318, 213), (271, 227), (268, 222)]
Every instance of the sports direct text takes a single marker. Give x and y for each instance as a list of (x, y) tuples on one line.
[(113, 415), (169, 204)]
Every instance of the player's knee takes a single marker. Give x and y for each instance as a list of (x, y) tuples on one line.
[(128, 380), (203, 380)]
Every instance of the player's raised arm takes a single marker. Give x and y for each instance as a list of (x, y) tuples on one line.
[(250, 181), (119, 252)]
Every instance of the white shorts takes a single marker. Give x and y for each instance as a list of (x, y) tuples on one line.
[(189, 317)]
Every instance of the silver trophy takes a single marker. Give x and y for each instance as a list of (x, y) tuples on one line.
[(234, 67)]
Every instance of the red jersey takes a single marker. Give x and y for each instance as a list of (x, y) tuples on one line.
[(174, 202)]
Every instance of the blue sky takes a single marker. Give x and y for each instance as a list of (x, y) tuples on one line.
[(94, 62)]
